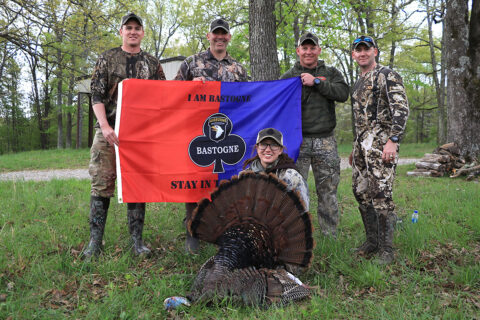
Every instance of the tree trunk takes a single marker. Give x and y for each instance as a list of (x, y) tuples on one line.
[(33, 63), (59, 115), (79, 120), (47, 105), (442, 113), (438, 85), (59, 98), (394, 15), (15, 146), (263, 41), (296, 30), (14, 99), (392, 54), (420, 126), (463, 76), (68, 129)]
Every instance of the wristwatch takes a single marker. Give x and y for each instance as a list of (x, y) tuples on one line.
[(394, 139), (317, 81)]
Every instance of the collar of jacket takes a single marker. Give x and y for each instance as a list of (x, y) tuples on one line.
[(320, 64), (210, 56), (129, 53), (372, 72), (257, 167)]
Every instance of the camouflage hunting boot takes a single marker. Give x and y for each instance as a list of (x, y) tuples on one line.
[(386, 222), (191, 243), (98, 218), (370, 222), (136, 217)]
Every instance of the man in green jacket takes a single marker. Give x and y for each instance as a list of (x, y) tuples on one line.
[(322, 86)]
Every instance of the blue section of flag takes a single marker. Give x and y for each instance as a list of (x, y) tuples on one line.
[(253, 106)]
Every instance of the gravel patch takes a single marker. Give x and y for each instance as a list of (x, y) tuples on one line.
[(45, 175)]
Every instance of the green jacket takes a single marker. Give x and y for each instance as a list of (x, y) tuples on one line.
[(318, 101)]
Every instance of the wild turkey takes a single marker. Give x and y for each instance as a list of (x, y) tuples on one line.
[(260, 228)]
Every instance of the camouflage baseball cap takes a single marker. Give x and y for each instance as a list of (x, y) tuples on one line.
[(308, 36), (219, 23), (270, 133), (366, 40), (129, 16)]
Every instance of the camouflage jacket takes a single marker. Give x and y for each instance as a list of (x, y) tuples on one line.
[(387, 116), (291, 177), (115, 65), (204, 64)]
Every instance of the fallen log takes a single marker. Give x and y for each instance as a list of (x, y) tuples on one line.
[(459, 164), (434, 173), (419, 174), (421, 170), (470, 177), (431, 157), (430, 165), (475, 170), (444, 159), (451, 147), (443, 152)]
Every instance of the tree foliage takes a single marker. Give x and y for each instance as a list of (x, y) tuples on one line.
[(52, 43)]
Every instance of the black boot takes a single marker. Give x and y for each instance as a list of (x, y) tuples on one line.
[(191, 243), (370, 222), (386, 222), (136, 216), (98, 217)]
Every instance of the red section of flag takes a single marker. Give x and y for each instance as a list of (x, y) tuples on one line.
[(150, 173)]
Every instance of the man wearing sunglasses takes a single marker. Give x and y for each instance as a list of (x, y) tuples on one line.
[(322, 86), (380, 110)]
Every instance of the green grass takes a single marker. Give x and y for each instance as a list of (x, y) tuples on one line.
[(44, 225), (45, 159), (416, 150), (72, 158)]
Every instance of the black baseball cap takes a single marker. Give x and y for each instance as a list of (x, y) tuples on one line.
[(308, 36), (219, 23), (270, 133), (130, 16), (366, 40)]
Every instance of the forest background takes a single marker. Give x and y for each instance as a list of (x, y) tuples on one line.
[(47, 46)]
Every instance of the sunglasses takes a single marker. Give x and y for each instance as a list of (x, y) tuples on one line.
[(273, 146), (364, 39)]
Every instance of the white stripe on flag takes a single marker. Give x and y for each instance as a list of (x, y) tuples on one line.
[(117, 130)]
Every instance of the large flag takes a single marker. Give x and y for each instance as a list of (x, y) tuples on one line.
[(178, 139)]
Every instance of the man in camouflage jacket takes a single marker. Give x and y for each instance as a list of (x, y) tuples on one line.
[(214, 64), (322, 86), (380, 110), (113, 66)]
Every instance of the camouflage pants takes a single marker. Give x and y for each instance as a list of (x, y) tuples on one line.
[(102, 167), (322, 155), (372, 179)]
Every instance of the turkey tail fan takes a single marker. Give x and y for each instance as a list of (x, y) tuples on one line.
[(260, 201), (220, 208)]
